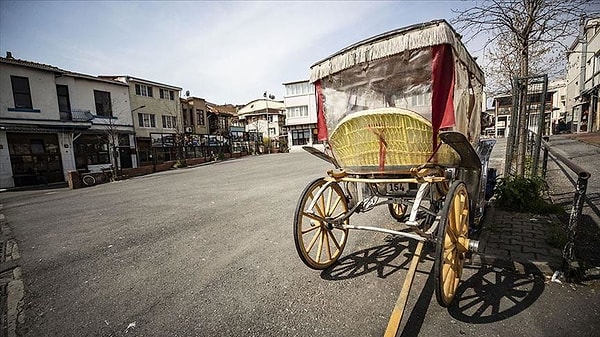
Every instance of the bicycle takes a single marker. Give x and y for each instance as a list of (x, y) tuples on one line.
[(93, 178)]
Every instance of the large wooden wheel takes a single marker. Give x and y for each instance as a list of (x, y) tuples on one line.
[(452, 243), (318, 243)]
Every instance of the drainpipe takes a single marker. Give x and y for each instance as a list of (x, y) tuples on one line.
[(583, 42)]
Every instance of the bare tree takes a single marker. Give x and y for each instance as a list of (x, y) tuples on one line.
[(179, 136), (523, 34)]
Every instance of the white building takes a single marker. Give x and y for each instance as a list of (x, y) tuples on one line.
[(583, 79), (53, 121), (559, 104), (264, 118), (301, 114)]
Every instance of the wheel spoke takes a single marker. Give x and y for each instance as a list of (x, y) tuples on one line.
[(310, 229), (320, 208), (312, 216), (313, 240), (335, 241), (320, 246), (328, 208), (323, 207), (335, 205), (327, 234)]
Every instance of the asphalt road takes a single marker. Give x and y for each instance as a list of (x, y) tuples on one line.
[(209, 251)]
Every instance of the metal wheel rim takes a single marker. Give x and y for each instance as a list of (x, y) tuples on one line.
[(318, 244), (452, 243)]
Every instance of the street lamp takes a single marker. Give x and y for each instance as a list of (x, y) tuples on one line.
[(136, 109), (268, 96)]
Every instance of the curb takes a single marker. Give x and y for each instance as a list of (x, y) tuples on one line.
[(12, 289)]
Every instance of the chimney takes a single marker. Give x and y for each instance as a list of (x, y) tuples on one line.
[(9, 55)]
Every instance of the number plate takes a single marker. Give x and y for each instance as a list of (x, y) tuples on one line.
[(396, 188)]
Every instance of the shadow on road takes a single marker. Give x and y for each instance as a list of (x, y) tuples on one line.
[(495, 293), (379, 259)]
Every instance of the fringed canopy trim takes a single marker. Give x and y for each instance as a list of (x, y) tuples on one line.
[(394, 42)]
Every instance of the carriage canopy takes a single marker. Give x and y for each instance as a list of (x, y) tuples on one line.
[(424, 69)]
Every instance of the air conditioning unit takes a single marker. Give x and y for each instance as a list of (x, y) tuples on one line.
[(188, 129)]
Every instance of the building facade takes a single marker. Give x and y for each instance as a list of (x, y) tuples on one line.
[(559, 106), (583, 79), (53, 121), (264, 120), (157, 118), (503, 107), (301, 114)]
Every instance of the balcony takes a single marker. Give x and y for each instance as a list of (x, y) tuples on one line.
[(76, 115)]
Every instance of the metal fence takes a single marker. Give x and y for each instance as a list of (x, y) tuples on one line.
[(525, 145), (527, 124), (578, 199)]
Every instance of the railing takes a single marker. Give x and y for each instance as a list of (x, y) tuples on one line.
[(578, 199), (76, 115)]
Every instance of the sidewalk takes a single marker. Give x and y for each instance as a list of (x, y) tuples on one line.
[(508, 237), (11, 284)]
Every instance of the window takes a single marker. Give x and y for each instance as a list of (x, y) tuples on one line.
[(200, 116), (169, 122), (143, 90), (21, 92), (300, 137), (147, 120), (299, 89), (103, 105), (91, 150), (62, 92), (167, 94), (297, 111)]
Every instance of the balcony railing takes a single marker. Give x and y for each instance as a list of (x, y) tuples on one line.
[(76, 115)]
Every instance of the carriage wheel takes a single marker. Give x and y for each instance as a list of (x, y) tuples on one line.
[(397, 211), (452, 243), (318, 243)]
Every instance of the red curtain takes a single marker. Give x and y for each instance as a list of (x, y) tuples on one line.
[(442, 101), (321, 124)]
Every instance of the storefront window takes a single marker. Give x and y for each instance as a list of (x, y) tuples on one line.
[(35, 158)]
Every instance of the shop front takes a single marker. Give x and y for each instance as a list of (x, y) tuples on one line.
[(35, 158)]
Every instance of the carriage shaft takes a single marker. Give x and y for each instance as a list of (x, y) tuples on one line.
[(388, 231)]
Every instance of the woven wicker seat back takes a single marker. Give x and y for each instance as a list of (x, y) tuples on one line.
[(386, 140)]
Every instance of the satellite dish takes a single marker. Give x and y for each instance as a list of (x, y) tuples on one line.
[(272, 96), (187, 93)]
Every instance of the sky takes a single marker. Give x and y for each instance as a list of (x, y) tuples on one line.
[(222, 51)]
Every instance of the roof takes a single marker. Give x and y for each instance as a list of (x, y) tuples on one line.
[(228, 109), (128, 78), (296, 82), (56, 70), (394, 42), (259, 105)]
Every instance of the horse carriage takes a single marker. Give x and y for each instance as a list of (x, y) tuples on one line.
[(399, 115)]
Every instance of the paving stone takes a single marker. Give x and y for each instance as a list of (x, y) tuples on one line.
[(523, 257), (540, 251)]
